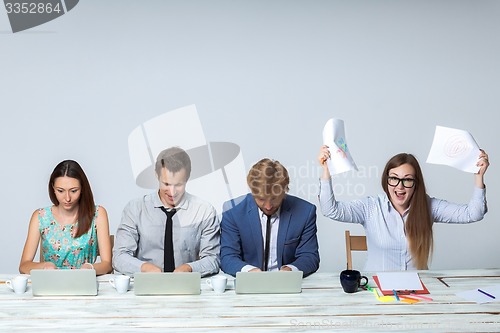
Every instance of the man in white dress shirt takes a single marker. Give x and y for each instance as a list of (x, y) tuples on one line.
[(140, 238)]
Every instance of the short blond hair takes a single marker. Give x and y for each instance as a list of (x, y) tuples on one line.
[(268, 178)]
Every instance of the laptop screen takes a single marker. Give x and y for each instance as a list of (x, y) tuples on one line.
[(58, 282), (167, 283)]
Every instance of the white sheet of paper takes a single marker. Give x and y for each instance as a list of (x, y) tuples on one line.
[(455, 148), (399, 281), (334, 137), (478, 297)]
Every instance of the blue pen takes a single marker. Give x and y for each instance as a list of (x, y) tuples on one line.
[(485, 293), (395, 294)]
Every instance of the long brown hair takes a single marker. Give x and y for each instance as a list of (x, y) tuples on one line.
[(86, 206), (418, 226)]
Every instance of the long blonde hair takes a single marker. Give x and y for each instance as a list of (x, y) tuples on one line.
[(418, 226)]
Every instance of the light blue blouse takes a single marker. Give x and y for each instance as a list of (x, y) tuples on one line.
[(384, 227)]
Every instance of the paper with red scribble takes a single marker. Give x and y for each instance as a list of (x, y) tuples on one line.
[(454, 147)]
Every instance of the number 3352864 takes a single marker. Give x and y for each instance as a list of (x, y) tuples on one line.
[(32, 8)]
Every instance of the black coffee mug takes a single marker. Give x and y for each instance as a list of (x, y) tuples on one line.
[(351, 280)]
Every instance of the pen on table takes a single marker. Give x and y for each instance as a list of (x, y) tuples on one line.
[(408, 299), (372, 290), (421, 297), (441, 280), (395, 294), (485, 293)]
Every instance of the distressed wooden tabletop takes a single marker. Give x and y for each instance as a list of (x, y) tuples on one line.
[(322, 306)]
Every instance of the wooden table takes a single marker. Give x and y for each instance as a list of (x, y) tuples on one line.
[(322, 306)]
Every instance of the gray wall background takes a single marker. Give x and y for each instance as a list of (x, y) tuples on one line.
[(265, 75)]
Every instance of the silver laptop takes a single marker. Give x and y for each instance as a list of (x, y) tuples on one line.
[(167, 283), (268, 282), (62, 282)]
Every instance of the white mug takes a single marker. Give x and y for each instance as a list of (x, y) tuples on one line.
[(18, 284), (218, 283), (121, 283)]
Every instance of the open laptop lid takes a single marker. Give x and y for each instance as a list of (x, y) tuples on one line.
[(268, 282), (61, 282), (167, 283)]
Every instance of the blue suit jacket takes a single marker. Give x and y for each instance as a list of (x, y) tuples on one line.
[(241, 235)]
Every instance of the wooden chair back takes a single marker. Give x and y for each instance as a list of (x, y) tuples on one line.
[(353, 243)]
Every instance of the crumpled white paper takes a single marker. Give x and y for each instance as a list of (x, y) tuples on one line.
[(456, 148), (334, 137)]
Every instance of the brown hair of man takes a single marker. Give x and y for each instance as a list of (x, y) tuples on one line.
[(268, 178), (174, 159)]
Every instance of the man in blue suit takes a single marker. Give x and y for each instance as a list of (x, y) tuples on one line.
[(269, 230)]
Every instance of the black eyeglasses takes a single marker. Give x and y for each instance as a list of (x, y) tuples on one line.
[(407, 182)]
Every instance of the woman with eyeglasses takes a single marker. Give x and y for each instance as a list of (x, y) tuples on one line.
[(398, 224)]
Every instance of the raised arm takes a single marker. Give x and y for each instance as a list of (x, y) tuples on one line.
[(323, 156), (483, 164)]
